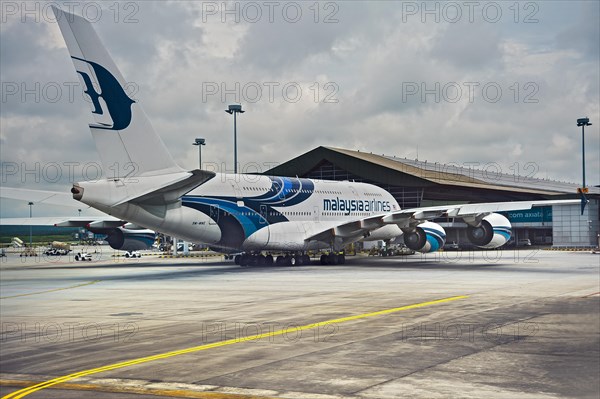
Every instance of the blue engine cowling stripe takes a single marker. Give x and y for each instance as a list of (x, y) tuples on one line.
[(435, 238), (506, 232)]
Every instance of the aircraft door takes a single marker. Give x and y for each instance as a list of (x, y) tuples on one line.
[(261, 237), (236, 189), (264, 213)]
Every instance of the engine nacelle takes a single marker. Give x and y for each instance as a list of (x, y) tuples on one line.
[(130, 240), (495, 230), (427, 237)]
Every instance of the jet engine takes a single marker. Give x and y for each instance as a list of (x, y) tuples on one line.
[(129, 240), (493, 231), (426, 237)]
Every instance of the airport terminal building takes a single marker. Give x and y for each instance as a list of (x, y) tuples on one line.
[(421, 183)]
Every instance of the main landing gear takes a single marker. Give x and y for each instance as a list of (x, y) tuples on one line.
[(333, 259), (268, 260), (249, 259)]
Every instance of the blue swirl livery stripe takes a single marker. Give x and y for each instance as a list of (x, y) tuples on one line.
[(250, 220), (277, 185), (435, 238), (506, 232), (257, 212), (288, 192)]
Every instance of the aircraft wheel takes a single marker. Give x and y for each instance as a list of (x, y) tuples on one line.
[(236, 260), (306, 260), (261, 260), (269, 260), (244, 260), (324, 259), (341, 259), (290, 260), (127, 255), (280, 261), (332, 259)]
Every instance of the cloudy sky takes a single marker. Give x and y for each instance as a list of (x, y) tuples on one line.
[(465, 83)]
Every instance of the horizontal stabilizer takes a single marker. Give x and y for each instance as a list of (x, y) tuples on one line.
[(167, 191), (40, 196)]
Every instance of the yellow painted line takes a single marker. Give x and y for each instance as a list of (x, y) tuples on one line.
[(26, 391), (169, 393), (589, 295), (54, 290), (188, 256)]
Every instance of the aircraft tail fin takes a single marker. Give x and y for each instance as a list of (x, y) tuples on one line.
[(127, 143)]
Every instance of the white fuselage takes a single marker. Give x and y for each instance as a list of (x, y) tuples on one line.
[(254, 213)]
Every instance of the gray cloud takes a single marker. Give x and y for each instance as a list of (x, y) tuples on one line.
[(583, 34), (468, 46), (372, 55)]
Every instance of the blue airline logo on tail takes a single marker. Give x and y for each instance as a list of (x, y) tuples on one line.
[(117, 101)]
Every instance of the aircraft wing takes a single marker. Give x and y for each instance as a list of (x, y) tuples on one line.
[(349, 230), (467, 211), (120, 234), (407, 218)]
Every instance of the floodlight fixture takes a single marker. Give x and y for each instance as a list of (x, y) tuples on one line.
[(583, 122), (199, 142), (235, 109)]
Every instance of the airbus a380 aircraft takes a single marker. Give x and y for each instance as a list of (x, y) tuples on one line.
[(233, 213)]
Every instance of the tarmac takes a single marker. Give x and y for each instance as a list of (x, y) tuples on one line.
[(497, 324)]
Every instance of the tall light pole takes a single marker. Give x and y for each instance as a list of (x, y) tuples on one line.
[(199, 142), (234, 109), (30, 225), (583, 122)]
